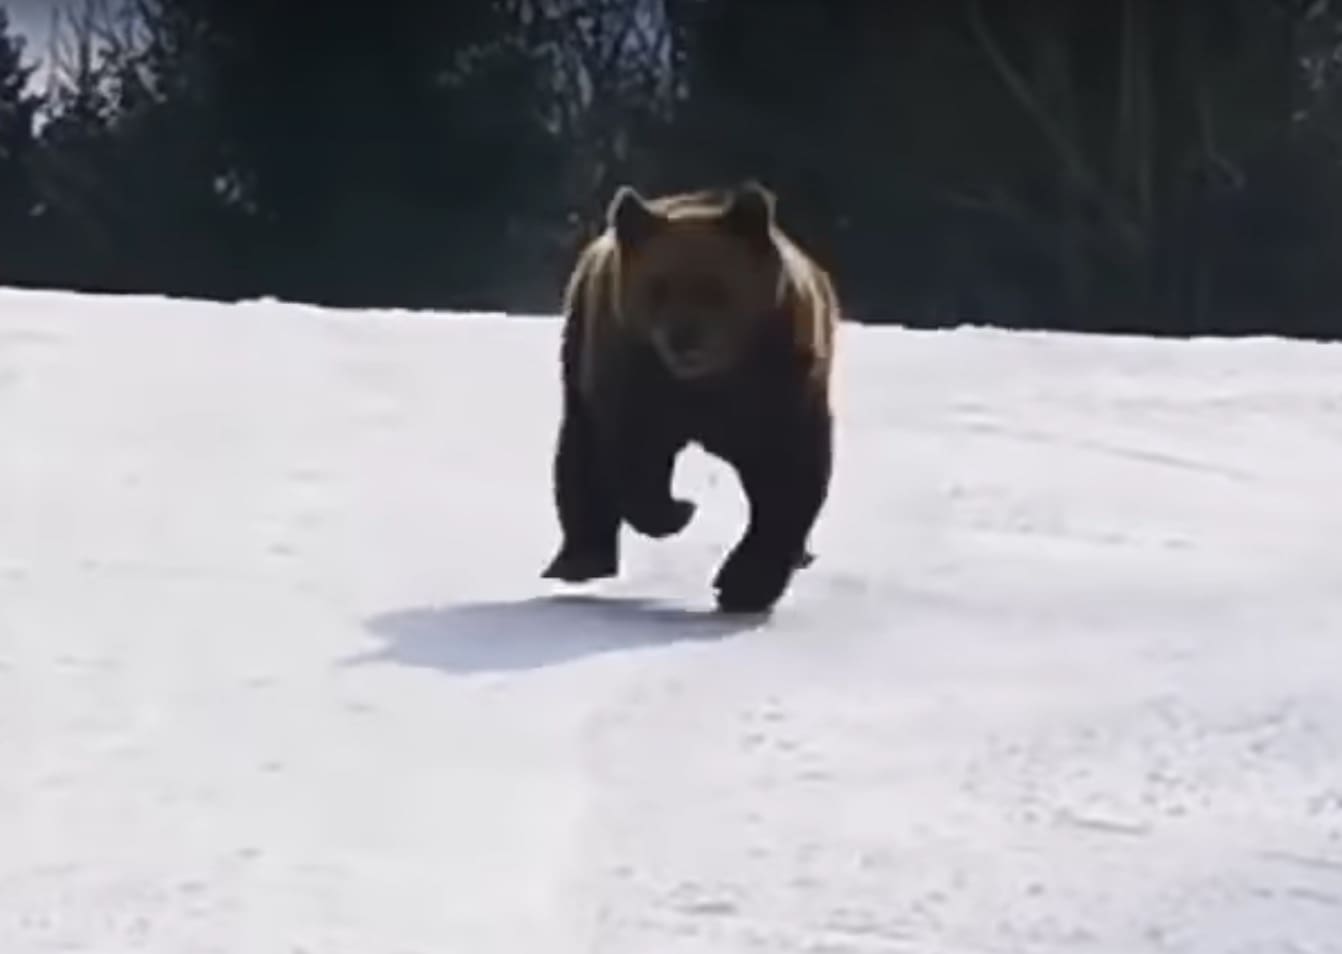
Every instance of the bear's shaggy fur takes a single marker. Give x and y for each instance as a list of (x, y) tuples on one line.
[(694, 318)]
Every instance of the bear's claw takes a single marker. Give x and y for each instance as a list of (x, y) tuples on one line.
[(580, 566)]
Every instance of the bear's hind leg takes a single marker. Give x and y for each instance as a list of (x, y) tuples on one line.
[(588, 517)]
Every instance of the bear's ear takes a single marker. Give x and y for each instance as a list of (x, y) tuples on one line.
[(750, 212), (630, 216)]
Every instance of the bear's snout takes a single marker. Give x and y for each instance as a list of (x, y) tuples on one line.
[(687, 336)]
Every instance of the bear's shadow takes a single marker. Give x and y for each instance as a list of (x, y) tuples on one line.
[(537, 632)]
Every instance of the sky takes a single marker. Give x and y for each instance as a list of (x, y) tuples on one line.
[(32, 18)]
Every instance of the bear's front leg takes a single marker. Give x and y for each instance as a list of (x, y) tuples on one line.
[(646, 501), (643, 445), (584, 499), (786, 483)]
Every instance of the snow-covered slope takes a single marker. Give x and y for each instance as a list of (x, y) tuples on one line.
[(278, 674)]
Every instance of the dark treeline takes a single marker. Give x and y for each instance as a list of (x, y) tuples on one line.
[(1149, 165)]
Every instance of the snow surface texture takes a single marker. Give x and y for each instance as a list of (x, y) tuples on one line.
[(278, 675)]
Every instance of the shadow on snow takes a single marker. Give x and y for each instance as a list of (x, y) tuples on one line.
[(538, 632)]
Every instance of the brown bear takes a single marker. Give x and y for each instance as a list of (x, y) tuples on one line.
[(692, 318)]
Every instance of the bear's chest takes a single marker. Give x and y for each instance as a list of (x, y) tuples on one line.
[(731, 416), (736, 417)]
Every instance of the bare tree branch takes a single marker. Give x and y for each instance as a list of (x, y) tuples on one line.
[(1073, 162)]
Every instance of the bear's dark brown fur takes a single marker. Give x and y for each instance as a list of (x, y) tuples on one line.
[(693, 318)]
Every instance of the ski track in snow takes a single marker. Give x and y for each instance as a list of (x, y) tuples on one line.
[(277, 674)]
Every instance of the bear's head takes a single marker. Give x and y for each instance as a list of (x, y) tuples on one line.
[(698, 274)]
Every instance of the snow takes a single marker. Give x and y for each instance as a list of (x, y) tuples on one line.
[(278, 673)]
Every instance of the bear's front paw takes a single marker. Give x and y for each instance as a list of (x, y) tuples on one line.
[(572, 565), (752, 581), (664, 519)]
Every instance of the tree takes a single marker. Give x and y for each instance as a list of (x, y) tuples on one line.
[(18, 110), (128, 165), (388, 156)]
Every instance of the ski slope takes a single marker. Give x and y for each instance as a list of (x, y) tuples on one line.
[(278, 674)]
